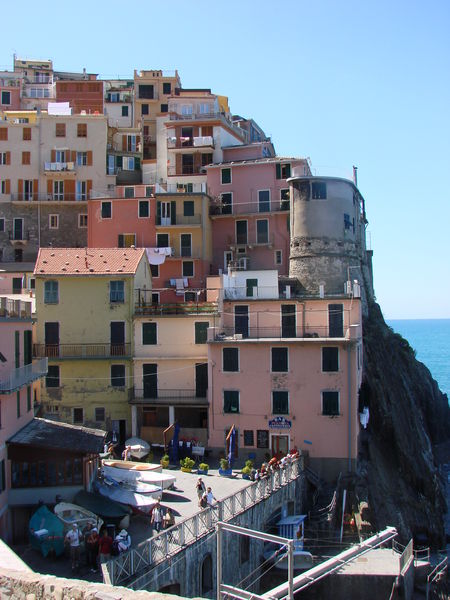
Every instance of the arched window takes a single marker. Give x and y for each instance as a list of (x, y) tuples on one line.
[(206, 575)]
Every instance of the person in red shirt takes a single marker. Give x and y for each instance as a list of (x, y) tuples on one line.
[(104, 547)]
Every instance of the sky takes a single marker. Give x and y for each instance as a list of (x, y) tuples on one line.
[(345, 83)]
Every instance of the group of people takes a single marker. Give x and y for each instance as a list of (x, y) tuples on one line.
[(205, 496), (98, 548), (161, 519)]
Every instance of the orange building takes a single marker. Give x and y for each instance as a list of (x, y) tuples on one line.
[(82, 94)]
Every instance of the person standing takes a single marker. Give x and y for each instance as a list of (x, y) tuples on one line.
[(104, 546), (157, 517), (210, 498), (201, 489), (86, 533), (126, 454), (92, 549), (73, 539), (168, 519)]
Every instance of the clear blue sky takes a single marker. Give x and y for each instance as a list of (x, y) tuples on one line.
[(346, 83)]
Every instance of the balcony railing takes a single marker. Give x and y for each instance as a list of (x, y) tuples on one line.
[(106, 350), (280, 332), (63, 197), (21, 376), (19, 236), (181, 308), (185, 170), (170, 396), (206, 141), (59, 166), (14, 309), (250, 208)]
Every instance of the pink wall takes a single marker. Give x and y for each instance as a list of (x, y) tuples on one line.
[(15, 98), (245, 152)]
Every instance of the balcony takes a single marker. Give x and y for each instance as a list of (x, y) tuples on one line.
[(19, 237), (23, 376), (172, 171), (59, 167), (60, 197), (178, 220), (14, 309), (169, 397), (250, 208), (307, 332), (179, 143), (82, 351), (180, 308)]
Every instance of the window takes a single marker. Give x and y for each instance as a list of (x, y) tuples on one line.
[(230, 401), (106, 210), (4, 158), (114, 97), (149, 334), (241, 232), (78, 416), (278, 257), (2, 224), (6, 97), (51, 289), (185, 244), (117, 291), (230, 359), (126, 240), (144, 209), (128, 163), (188, 208), (263, 201), (53, 221), (188, 268), (249, 437), (164, 108), (225, 176), (26, 134), (280, 402), (144, 109), (149, 191), (207, 159), (262, 231), (190, 296), (186, 109), (81, 190), (146, 91), (82, 130), (201, 329), (82, 221), (129, 192), (18, 404), (227, 203), (124, 111), (52, 377), (82, 159), (280, 360), (28, 398), (162, 240), (167, 87), (60, 156), (26, 158), (284, 199), (319, 190), (118, 375), (60, 130), (330, 359), (250, 285), (283, 171), (330, 403), (154, 270), (58, 189), (336, 320), (155, 297), (99, 414)]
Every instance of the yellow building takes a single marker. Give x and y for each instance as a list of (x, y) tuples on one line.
[(85, 300)]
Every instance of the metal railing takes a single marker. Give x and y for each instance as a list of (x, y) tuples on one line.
[(24, 375), (305, 332), (47, 197), (246, 208), (173, 171), (15, 309), (181, 308), (19, 236), (105, 350), (179, 396), (59, 166), (151, 552)]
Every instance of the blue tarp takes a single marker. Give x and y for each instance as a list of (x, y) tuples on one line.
[(46, 532)]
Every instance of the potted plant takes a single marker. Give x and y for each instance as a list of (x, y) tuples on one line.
[(187, 464), (203, 469), (225, 469), (246, 472), (164, 462)]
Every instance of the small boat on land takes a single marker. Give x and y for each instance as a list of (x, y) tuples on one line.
[(138, 487), (46, 532), (134, 475), (107, 509), (139, 448), (133, 466), (72, 513), (139, 503), (293, 528)]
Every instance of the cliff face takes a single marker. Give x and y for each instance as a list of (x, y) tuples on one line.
[(409, 417)]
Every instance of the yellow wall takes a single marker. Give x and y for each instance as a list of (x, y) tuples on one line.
[(21, 114)]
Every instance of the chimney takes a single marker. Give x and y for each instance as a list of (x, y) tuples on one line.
[(355, 175)]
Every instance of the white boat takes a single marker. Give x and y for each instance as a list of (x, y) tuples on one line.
[(115, 470), (139, 487), (139, 448), (130, 465), (293, 528), (140, 503), (72, 513)]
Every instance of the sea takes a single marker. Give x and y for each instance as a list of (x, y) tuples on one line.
[(430, 338)]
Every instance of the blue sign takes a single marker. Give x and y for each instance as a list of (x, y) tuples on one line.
[(280, 423)]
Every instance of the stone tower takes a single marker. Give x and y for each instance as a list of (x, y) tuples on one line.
[(328, 237)]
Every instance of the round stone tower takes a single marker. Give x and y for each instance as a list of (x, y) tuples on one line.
[(328, 241)]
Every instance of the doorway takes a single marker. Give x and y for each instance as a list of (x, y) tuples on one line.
[(279, 444), (51, 332), (150, 380), (201, 380), (117, 336)]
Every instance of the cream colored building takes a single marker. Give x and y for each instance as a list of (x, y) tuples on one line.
[(85, 302)]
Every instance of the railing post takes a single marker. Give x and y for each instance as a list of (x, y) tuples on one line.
[(233, 505), (220, 510), (166, 544), (195, 524), (181, 534), (132, 561)]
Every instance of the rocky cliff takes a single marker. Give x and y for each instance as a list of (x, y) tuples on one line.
[(409, 419)]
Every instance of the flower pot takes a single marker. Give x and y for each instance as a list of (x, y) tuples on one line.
[(164, 464), (186, 470), (226, 472), (201, 472)]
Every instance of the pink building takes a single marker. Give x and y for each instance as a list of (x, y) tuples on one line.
[(10, 86), (250, 209), (175, 227), (286, 371), (17, 373)]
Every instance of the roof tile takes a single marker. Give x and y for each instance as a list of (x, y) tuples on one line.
[(88, 261)]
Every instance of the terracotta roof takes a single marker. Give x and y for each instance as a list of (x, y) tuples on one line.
[(88, 261), (52, 434)]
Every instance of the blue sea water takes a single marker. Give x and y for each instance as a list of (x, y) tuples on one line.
[(430, 338)]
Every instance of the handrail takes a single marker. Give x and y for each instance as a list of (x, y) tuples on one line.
[(164, 545)]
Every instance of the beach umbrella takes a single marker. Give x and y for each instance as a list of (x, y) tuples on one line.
[(231, 445), (174, 448)]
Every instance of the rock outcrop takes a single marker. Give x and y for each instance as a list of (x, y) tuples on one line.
[(409, 417)]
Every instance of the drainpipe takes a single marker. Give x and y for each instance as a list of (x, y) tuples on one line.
[(349, 388)]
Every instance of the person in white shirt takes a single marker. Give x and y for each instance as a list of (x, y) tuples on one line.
[(73, 539), (210, 498)]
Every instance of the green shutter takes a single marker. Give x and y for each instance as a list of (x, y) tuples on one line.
[(251, 283), (17, 348), (149, 334), (120, 243), (278, 171), (137, 163), (173, 212), (201, 333), (119, 162), (158, 213)]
